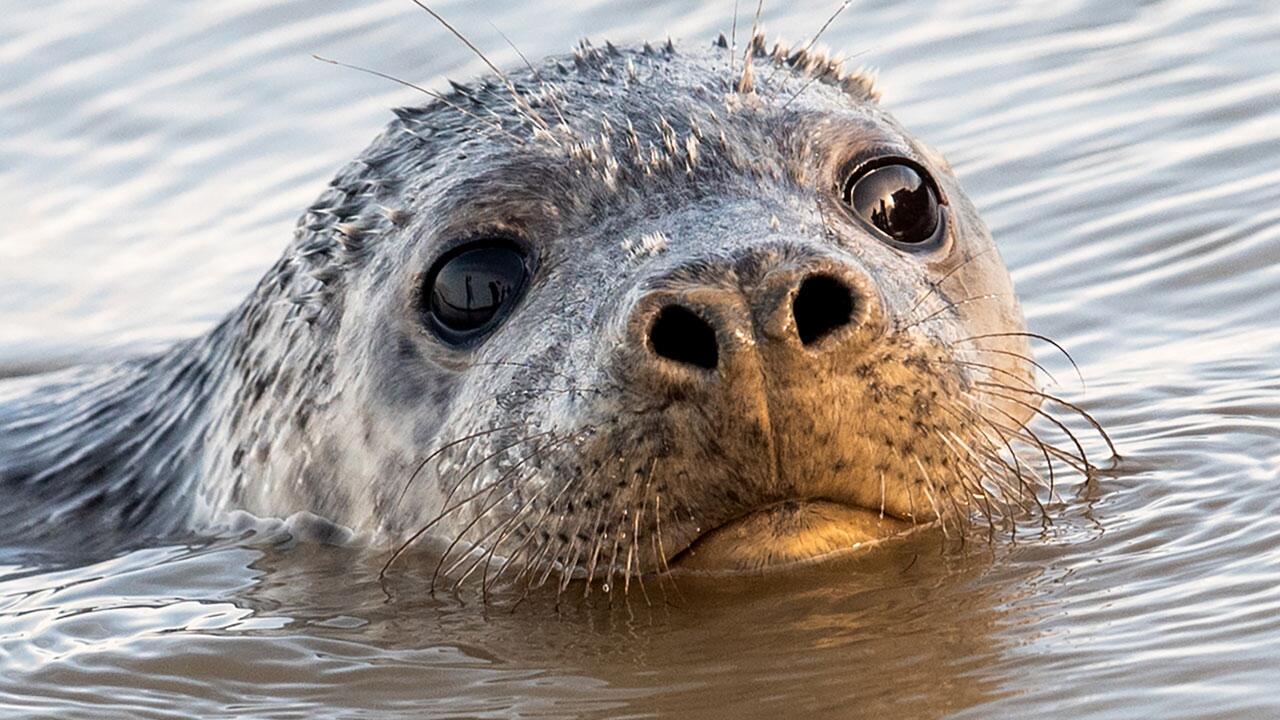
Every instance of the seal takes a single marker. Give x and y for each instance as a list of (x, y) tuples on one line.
[(622, 310)]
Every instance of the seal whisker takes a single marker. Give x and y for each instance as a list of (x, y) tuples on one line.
[(814, 40), (436, 453), (635, 538), (508, 562), (522, 106), (462, 478), (1027, 487), (530, 568), (488, 492), (970, 483), (1025, 432), (550, 565), (1048, 461), (936, 285), (1028, 435), (609, 584), (974, 488), (982, 366), (1020, 356), (911, 498), (448, 510), (429, 93), (937, 512), (1036, 409), (969, 417), (572, 553), (1024, 486), (745, 84), (626, 570), (882, 494), (536, 75), (662, 551), (507, 527), (1032, 336), (1016, 470), (653, 546), (576, 546), (621, 527), (527, 570), (438, 572), (607, 515), (975, 494), (500, 530), (595, 550), (1097, 426), (1004, 487), (954, 306), (733, 38), (545, 511), (661, 568), (567, 567)]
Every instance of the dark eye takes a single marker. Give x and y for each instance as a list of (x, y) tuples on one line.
[(471, 289), (897, 198)]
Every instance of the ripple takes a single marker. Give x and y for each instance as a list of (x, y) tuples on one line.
[(156, 154)]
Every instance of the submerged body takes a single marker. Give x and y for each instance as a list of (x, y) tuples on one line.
[(622, 309)]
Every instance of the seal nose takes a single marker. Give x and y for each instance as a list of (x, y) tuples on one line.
[(707, 325), (679, 334), (822, 305)]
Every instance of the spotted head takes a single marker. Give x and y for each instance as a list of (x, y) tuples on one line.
[(635, 307)]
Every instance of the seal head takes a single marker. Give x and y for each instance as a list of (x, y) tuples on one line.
[(627, 308)]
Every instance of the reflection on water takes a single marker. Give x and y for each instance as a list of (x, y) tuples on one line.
[(259, 622), (154, 155)]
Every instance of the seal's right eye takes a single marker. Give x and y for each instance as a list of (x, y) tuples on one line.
[(898, 199), (470, 290)]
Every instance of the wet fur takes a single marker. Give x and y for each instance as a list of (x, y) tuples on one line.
[(627, 171)]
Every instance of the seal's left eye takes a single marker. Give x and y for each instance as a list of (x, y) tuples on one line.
[(897, 198), (471, 289)]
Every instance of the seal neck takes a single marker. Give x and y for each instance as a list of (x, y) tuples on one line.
[(94, 458)]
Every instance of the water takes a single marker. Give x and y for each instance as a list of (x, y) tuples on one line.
[(154, 155)]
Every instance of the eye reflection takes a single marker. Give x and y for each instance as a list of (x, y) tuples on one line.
[(897, 200), (471, 289)]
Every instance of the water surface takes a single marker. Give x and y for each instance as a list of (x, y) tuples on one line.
[(153, 158)]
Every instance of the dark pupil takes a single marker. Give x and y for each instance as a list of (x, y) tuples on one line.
[(896, 200), (471, 288)]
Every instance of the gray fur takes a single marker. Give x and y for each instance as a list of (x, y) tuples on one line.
[(632, 174)]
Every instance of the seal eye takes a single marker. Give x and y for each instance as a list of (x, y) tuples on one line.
[(470, 289), (898, 199)]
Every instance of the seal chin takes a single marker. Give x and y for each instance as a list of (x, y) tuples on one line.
[(788, 533)]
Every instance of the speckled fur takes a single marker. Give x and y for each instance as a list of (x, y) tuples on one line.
[(628, 172)]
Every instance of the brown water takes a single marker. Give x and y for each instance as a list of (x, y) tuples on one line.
[(153, 156)]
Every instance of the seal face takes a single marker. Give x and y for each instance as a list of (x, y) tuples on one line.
[(633, 307)]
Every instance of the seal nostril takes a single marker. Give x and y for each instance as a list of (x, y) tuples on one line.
[(822, 305), (680, 335)]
